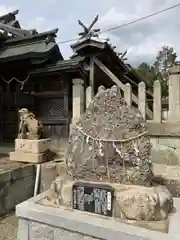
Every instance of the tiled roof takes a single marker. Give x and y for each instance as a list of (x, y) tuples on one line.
[(20, 43), (60, 65)]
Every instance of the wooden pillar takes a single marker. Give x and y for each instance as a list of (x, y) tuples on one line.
[(66, 107), (91, 76)]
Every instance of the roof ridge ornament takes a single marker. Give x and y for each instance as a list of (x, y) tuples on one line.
[(88, 31), (13, 13), (15, 31)]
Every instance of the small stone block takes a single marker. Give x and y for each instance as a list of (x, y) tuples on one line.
[(175, 70), (32, 146), (20, 156)]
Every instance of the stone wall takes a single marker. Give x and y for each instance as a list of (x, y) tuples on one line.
[(38, 231), (16, 186), (166, 150), (165, 139)]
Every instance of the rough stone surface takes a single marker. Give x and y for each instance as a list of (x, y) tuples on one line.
[(114, 150), (110, 144), (170, 175), (149, 204), (61, 191), (130, 202), (49, 172)]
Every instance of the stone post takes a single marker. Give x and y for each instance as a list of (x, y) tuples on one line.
[(88, 95), (157, 102), (128, 94), (174, 94), (78, 99), (142, 99)]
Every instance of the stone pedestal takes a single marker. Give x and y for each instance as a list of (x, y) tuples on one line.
[(43, 221), (32, 151)]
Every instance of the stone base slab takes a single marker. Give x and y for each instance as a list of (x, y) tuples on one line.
[(32, 146), (19, 156), (40, 222)]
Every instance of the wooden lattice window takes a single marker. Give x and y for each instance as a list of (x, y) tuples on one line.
[(52, 109)]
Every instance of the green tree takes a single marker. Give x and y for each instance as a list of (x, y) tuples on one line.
[(165, 59), (147, 73)]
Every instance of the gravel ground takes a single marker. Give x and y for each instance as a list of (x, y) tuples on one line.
[(8, 227)]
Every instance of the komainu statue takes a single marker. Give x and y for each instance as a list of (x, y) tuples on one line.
[(29, 127)]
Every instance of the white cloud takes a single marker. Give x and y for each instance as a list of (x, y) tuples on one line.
[(142, 39), (145, 37), (40, 19), (6, 9)]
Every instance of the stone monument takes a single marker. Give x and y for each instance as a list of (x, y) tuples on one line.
[(30, 144), (108, 171)]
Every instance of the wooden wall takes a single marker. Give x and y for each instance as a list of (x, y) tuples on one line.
[(52, 108), (47, 97)]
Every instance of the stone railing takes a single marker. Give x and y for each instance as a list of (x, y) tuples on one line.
[(164, 120), (170, 114)]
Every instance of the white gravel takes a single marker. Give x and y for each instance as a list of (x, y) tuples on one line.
[(8, 227)]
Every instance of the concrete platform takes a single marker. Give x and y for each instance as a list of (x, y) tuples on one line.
[(41, 222)]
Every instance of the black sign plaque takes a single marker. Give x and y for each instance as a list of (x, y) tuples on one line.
[(94, 198)]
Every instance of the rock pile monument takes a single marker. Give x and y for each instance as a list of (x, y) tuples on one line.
[(30, 144), (110, 142), (108, 166)]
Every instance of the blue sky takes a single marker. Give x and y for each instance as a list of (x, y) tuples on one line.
[(142, 40)]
